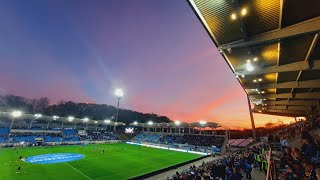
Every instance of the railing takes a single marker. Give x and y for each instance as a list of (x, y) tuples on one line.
[(271, 171)]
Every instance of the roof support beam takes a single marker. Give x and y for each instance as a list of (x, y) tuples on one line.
[(292, 84), (296, 108), (307, 59), (293, 102), (279, 114), (309, 95), (306, 27), (281, 111), (297, 66)]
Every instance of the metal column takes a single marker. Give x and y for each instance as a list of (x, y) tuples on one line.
[(252, 120)]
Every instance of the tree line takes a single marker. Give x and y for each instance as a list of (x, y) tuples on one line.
[(42, 105)]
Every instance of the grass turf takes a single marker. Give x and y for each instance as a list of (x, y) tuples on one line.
[(120, 161)]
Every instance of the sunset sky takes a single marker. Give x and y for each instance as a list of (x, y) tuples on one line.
[(157, 51)]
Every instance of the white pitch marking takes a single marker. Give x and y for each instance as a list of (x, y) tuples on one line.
[(71, 166)]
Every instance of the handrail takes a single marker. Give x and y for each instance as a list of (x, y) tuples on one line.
[(269, 165)]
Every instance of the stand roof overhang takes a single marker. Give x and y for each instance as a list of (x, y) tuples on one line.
[(280, 39)]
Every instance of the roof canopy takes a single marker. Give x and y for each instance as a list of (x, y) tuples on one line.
[(272, 47), (200, 124), (32, 117)]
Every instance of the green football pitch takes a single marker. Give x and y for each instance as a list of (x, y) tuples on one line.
[(120, 161)]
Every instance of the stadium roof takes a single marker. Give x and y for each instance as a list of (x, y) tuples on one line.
[(174, 124), (63, 119), (272, 47)]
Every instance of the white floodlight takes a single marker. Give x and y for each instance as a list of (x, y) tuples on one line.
[(85, 119), (135, 123), (70, 118), (38, 116), (202, 122), (119, 92), (16, 114), (249, 67), (177, 123), (150, 123)]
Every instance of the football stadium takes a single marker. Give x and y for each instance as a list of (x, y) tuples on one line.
[(271, 49)]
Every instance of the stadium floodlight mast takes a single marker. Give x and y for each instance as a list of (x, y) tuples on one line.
[(15, 114), (86, 120), (119, 94)]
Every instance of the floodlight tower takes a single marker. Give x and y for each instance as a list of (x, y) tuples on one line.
[(119, 95), (15, 114)]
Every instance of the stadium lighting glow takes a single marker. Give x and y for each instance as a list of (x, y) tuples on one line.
[(249, 67), (96, 122), (259, 111), (150, 123), (119, 92), (243, 11), (16, 114), (260, 79), (85, 119), (264, 99), (70, 118), (233, 16), (38, 116), (248, 61), (177, 123), (135, 123), (55, 117), (254, 80), (255, 59), (202, 122), (257, 90), (107, 121), (262, 92), (116, 123)]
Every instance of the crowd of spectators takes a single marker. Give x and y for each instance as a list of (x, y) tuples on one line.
[(233, 167), (170, 139), (294, 163), (66, 135), (290, 163), (93, 135)]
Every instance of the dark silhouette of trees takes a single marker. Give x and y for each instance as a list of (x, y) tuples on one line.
[(78, 110)]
